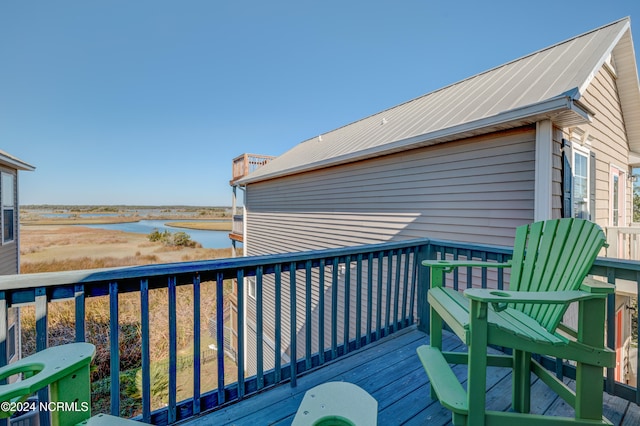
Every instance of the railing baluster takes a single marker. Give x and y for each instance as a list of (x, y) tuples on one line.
[(259, 329), (220, 335), (196, 344), (396, 291), (369, 296), (308, 314), (321, 307), (414, 283), (347, 302), (42, 342), (455, 271), (379, 297), (241, 335), (387, 311), (405, 288), (278, 322), (611, 329), (294, 348), (484, 270), (80, 312), (500, 272), (358, 300), (146, 361), (173, 349), (334, 309), (114, 347)]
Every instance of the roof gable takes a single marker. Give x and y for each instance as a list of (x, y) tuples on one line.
[(545, 84)]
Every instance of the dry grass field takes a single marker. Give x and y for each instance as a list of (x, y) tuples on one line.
[(45, 248), (49, 248)]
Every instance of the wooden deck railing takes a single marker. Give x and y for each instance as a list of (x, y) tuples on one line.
[(377, 282), (247, 163), (381, 284), (624, 242)]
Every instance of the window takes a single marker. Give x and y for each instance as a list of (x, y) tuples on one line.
[(8, 207), (578, 181), (580, 185)]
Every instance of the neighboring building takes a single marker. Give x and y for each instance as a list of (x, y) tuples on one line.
[(552, 134), (10, 241)]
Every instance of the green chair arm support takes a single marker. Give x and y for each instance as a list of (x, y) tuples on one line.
[(591, 285)]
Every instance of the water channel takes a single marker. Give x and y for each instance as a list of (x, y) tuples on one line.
[(208, 239)]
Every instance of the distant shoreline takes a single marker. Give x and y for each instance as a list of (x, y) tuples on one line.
[(199, 224), (187, 217)]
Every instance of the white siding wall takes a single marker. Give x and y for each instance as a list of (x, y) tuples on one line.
[(608, 140)]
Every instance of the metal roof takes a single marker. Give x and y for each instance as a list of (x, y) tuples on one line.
[(14, 162), (545, 84)]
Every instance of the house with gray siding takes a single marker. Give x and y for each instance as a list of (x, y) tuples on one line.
[(552, 134), (10, 242)]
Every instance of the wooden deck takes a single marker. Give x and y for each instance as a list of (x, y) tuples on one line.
[(391, 372)]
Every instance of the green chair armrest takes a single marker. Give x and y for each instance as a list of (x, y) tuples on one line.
[(550, 297), (500, 298), (44, 367)]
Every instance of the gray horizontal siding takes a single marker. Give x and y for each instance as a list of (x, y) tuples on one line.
[(476, 190), (9, 251)]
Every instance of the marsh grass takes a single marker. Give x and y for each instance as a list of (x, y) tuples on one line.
[(61, 329)]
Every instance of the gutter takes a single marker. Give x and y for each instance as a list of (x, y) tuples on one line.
[(15, 162)]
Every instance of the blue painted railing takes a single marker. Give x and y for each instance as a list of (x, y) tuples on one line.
[(380, 283), (377, 282)]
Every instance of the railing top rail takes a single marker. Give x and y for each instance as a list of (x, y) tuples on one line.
[(243, 156), (624, 229), (228, 266), (625, 269)]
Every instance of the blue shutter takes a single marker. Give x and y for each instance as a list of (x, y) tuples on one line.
[(592, 186), (567, 180)]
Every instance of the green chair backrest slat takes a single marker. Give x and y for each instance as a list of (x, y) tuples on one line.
[(553, 255)]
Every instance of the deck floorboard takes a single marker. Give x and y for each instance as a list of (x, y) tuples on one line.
[(391, 372)]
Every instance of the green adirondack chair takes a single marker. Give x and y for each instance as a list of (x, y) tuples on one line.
[(65, 369), (550, 262)]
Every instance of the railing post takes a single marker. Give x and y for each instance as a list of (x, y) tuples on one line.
[(611, 329), (426, 252)]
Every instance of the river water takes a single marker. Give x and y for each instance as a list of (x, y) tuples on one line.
[(208, 239)]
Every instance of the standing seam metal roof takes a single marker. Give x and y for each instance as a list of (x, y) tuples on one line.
[(554, 77)]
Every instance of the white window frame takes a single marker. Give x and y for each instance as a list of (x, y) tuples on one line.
[(577, 149), (3, 207), (622, 194)]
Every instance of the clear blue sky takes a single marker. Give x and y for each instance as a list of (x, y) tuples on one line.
[(147, 101)]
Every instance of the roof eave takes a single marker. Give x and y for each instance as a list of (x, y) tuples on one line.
[(564, 110), (15, 163)]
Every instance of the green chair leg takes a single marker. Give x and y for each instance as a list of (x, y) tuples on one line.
[(521, 393)]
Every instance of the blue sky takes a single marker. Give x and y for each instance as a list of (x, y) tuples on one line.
[(146, 102)]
